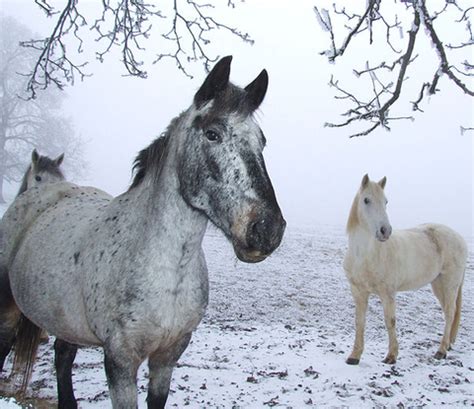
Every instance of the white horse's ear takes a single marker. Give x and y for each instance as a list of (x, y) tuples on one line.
[(59, 159), (34, 156), (382, 182), (216, 81), (365, 181)]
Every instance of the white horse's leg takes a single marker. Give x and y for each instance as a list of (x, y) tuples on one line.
[(361, 299), (121, 369), (161, 367), (388, 302), (447, 296)]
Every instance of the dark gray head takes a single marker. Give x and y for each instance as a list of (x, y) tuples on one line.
[(221, 167), (42, 170), (217, 148)]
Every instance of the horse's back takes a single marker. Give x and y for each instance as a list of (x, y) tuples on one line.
[(40, 231), (448, 243), (30, 207)]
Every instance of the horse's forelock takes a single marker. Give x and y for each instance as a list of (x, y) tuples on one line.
[(232, 100)]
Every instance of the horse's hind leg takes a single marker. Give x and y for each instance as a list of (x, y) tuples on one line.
[(9, 317), (161, 368), (447, 295), (8, 323), (64, 354), (361, 299), (388, 302)]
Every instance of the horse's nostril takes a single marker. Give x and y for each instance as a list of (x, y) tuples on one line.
[(258, 228), (383, 230)]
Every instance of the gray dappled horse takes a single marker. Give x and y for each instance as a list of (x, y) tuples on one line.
[(129, 273), (42, 170)]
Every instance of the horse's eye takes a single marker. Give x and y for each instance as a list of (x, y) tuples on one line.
[(366, 200), (212, 136), (38, 178)]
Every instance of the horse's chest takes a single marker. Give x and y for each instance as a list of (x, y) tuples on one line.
[(159, 310), (363, 274)]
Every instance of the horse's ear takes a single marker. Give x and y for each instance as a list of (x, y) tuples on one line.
[(365, 181), (256, 90), (34, 156), (59, 159), (215, 82), (383, 182)]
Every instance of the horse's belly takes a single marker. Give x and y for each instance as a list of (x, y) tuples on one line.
[(53, 306), (47, 289), (415, 282)]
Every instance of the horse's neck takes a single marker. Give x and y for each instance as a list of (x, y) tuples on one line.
[(163, 221), (362, 242)]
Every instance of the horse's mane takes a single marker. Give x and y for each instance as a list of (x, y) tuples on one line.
[(353, 220), (151, 158), (24, 182), (147, 158)]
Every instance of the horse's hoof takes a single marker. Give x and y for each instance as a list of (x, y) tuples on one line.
[(440, 355), (390, 360), (352, 361)]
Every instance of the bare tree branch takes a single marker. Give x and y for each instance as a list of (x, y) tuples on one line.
[(126, 24), (386, 94)]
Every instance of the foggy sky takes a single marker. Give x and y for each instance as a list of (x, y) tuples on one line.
[(315, 170)]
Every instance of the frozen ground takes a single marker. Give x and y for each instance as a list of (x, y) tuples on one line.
[(276, 334)]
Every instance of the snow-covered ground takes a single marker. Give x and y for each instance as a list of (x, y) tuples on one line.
[(277, 334)]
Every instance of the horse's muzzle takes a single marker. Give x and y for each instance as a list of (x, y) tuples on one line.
[(384, 233), (262, 236)]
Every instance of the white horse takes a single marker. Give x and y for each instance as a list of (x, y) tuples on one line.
[(381, 262)]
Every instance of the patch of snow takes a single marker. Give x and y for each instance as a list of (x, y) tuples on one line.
[(277, 333)]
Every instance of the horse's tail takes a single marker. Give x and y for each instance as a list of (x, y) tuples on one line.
[(457, 316), (26, 346)]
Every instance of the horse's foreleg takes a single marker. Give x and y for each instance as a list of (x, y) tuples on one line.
[(161, 368), (388, 302), (361, 299), (64, 354), (121, 369)]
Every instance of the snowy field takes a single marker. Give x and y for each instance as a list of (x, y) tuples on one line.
[(276, 334)]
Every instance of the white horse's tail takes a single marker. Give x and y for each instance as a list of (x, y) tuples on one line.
[(457, 316)]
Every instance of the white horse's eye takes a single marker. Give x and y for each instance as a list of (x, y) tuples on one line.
[(212, 136), (38, 178), (366, 200)]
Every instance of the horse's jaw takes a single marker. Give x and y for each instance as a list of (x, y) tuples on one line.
[(249, 256)]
